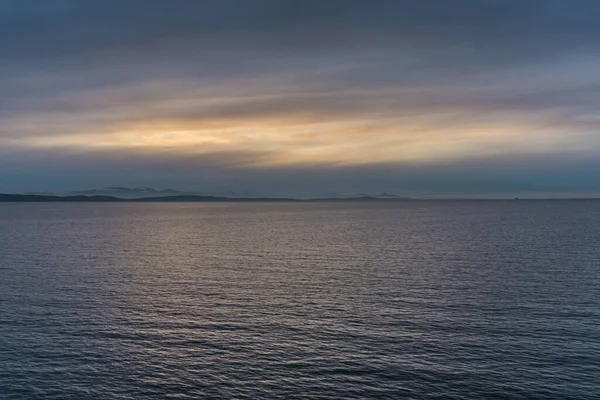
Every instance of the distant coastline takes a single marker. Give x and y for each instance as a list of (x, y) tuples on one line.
[(34, 198)]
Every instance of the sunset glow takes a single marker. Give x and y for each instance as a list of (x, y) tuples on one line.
[(340, 95)]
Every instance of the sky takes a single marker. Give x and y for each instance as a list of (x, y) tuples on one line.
[(302, 97)]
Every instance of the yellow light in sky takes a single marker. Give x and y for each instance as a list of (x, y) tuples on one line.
[(284, 130)]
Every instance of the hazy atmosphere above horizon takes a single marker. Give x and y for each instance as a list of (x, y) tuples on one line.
[(296, 97)]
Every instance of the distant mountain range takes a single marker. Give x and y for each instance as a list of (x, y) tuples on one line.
[(178, 198), (147, 192), (126, 192)]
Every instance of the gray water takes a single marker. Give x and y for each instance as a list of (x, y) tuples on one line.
[(416, 300)]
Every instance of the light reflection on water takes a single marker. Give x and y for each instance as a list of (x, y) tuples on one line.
[(414, 300)]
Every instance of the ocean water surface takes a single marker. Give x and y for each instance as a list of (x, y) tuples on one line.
[(407, 300)]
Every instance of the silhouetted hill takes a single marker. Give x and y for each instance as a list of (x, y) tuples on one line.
[(162, 199), (362, 198), (198, 198), (42, 198), (130, 193)]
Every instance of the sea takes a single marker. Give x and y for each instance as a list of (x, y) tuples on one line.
[(350, 300)]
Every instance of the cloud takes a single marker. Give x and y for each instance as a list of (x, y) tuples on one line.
[(257, 92)]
